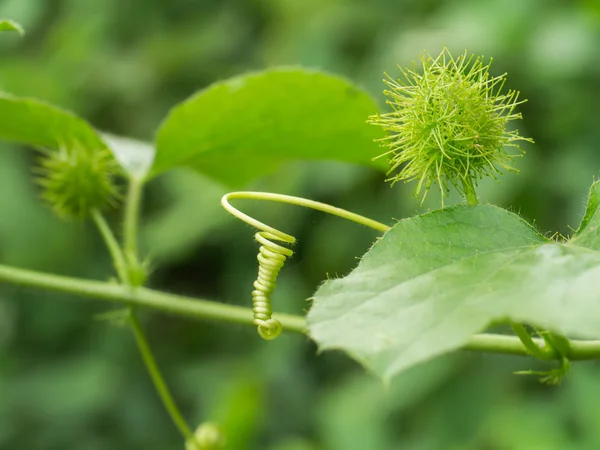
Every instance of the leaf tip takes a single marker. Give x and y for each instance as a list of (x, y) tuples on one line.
[(11, 25)]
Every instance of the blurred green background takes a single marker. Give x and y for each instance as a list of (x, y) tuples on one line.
[(68, 381)]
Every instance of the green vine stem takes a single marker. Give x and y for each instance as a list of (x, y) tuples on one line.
[(140, 296), (132, 213), (128, 269), (158, 380), (206, 309), (113, 246), (469, 191)]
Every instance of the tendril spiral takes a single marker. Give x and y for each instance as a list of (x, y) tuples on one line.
[(271, 258)]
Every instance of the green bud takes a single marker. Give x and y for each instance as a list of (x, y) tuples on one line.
[(208, 436)]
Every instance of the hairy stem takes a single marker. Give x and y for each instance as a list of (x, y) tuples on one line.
[(157, 378), (205, 309), (469, 190)]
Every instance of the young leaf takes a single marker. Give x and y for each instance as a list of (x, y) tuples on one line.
[(11, 25), (245, 127), (434, 280)]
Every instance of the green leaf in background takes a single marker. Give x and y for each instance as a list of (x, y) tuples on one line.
[(245, 127), (32, 122), (434, 280), (11, 25)]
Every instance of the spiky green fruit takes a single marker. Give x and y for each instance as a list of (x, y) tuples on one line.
[(449, 124), (76, 180)]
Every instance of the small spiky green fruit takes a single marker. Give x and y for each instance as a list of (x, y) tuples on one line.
[(77, 181), (449, 124)]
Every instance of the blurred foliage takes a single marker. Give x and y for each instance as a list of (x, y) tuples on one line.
[(69, 381)]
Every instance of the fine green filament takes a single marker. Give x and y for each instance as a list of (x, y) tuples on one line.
[(272, 256)]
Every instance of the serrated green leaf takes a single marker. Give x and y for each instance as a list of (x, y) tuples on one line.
[(11, 25), (588, 233), (245, 127), (434, 280), (32, 122)]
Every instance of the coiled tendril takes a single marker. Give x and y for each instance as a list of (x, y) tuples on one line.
[(271, 256)]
